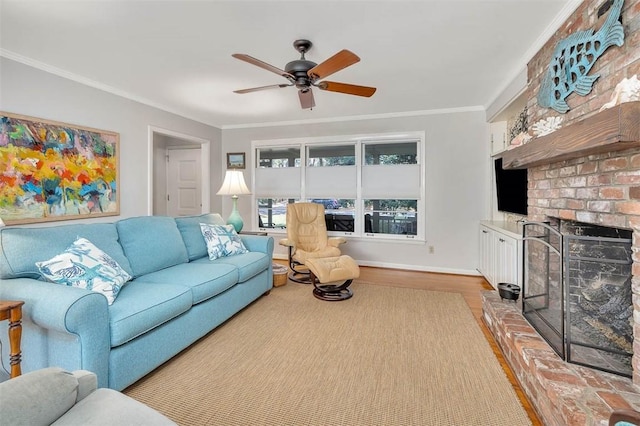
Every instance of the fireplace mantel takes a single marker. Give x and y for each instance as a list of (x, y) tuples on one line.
[(613, 129)]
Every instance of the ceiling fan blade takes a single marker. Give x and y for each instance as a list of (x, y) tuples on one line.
[(340, 60), (349, 89), (261, 64), (306, 99), (255, 89)]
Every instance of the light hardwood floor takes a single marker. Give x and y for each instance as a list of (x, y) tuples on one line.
[(468, 286)]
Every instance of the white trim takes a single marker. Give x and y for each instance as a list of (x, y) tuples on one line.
[(357, 117), (337, 139), (549, 31), (419, 268), (385, 265), (205, 160), (95, 84), (512, 92)]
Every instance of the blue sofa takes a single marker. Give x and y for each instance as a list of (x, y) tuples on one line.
[(176, 296)]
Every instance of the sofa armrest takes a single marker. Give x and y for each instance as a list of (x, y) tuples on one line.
[(87, 383), (68, 325), (38, 397), (258, 243)]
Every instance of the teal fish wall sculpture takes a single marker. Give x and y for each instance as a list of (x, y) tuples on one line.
[(574, 57)]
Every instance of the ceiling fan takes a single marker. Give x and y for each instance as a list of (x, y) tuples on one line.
[(306, 74)]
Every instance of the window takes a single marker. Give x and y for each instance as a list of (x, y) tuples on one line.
[(397, 217), (278, 157), (331, 155), (272, 212), (391, 153), (339, 215), (370, 186)]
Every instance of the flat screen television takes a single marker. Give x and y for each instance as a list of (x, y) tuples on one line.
[(511, 189)]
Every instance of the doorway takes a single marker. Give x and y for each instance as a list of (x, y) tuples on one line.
[(180, 187)]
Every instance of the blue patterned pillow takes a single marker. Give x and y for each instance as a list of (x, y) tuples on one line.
[(222, 240), (84, 265)]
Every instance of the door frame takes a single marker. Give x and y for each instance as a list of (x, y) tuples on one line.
[(205, 160)]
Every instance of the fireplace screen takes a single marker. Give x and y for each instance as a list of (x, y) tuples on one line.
[(577, 292)]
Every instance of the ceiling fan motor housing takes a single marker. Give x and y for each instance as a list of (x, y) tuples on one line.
[(298, 69)]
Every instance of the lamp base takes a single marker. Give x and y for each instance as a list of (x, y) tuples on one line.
[(234, 218)]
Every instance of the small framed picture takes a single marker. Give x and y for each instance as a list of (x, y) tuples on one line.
[(235, 160)]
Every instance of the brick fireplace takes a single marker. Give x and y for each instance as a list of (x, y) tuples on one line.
[(601, 189), (587, 171)]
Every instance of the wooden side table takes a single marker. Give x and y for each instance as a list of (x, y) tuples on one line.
[(12, 310)]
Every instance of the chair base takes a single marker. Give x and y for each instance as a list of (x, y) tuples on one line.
[(300, 277), (332, 292)]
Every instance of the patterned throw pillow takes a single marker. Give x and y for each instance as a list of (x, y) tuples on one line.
[(84, 265), (222, 240)]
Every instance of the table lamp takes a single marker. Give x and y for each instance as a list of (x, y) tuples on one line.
[(234, 185)]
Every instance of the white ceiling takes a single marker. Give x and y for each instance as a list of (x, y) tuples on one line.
[(176, 55)]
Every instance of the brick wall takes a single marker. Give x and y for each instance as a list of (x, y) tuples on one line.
[(614, 65), (601, 189)]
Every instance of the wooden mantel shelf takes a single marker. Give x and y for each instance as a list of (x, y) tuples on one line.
[(613, 129)]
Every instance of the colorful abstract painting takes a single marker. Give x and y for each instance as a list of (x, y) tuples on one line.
[(56, 171)]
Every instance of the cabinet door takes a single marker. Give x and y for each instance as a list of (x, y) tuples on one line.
[(487, 256), (498, 137), (506, 259)]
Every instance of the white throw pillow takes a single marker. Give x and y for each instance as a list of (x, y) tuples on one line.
[(84, 265), (222, 240)]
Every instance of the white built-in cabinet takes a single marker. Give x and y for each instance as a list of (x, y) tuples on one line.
[(501, 252), (498, 137)]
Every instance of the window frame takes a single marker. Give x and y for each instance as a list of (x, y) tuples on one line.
[(359, 141)]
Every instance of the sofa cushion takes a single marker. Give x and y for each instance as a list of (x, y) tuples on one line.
[(142, 306), (84, 265), (222, 240), (204, 279), (151, 243), (23, 247), (189, 227), (248, 265)]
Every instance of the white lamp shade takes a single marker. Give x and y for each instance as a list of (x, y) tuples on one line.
[(1, 223), (233, 184)]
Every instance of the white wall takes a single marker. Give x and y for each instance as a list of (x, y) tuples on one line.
[(458, 173), (29, 91), (457, 188)]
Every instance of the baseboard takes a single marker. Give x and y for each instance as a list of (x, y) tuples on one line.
[(421, 268)]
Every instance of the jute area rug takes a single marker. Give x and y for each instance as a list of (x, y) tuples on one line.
[(387, 356)]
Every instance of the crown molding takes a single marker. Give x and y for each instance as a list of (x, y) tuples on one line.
[(95, 84), (357, 117)]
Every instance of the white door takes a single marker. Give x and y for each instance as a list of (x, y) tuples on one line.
[(184, 182)]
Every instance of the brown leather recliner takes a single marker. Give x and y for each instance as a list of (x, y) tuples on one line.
[(307, 239)]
